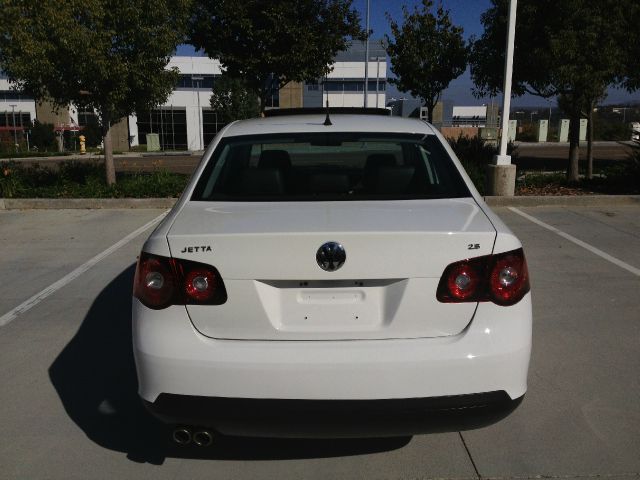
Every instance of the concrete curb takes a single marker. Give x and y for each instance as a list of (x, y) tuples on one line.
[(563, 200), (163, 203), (84, 203)]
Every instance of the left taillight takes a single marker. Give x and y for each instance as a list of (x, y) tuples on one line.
[(163, 281), (501, 278)]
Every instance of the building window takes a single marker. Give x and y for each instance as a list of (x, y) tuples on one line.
[(193, 81), (87, 117), (353, 86), (211, 125), (14, 95), (23, 119), (170, 123)]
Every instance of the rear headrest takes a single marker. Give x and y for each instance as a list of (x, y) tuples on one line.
[(376, 160), (397, 179), (262, 181), (329, 183), (274, 159)]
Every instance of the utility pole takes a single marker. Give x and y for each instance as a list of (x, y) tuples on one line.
[(501, 175), (377, 59), (366, 63), (198, 80)]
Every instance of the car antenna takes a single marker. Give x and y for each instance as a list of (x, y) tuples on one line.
[(327, 120)]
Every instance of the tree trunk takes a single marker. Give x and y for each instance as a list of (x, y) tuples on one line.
[(574, 147), (430, 108), (590, 141), (263, 103), (108, 152)]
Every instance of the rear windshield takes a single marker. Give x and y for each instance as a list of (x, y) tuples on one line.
[(329, 166)]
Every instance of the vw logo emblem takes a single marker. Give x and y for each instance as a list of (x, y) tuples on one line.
[(331, 256)]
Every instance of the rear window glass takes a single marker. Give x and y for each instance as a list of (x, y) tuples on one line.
[(329, 166)]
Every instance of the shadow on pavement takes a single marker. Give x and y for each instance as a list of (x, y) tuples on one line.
[(96, 380)]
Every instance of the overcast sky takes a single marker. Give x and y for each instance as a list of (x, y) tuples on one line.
[(465, 13)]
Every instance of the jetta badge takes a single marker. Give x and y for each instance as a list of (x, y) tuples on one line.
[(331, 256)]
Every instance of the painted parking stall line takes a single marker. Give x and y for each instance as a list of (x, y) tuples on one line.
[(68, 278), (577, 241)]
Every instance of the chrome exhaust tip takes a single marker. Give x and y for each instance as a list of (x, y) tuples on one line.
[(203, 438), (182, 436)]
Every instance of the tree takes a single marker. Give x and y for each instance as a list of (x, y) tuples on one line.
[(630, 39), (43, 136), (231, 100), (269, 43), (107, 55), (429, 52), (573, 49)]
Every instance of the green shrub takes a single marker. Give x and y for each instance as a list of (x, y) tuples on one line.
[(621, 177), (477, 174), (611, 131), (85, 180), (528, 134), (475, 155)]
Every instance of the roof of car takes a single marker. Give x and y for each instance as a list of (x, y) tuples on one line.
[(340, 123)]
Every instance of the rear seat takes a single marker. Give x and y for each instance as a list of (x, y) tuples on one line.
[(262, 181)]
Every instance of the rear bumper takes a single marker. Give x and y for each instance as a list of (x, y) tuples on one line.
[(490, 355), (333, 418)]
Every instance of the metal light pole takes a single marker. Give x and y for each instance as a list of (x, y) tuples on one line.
[(366, 63), (15, 134), (501, 175), (198, 80), (503, 158), (377, 59)]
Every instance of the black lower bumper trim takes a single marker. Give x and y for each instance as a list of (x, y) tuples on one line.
[(334, 418)]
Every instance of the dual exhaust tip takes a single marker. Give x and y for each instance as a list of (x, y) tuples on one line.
[(184, 436)]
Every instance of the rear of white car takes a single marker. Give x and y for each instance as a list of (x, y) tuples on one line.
[(348, 273)]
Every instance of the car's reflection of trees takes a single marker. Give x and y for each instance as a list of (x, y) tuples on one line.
[(95, 377)]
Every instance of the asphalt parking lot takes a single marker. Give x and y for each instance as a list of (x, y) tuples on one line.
[(68, 399)]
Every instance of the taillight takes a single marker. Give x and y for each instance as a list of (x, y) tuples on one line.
[(162, 281), (509, 278), (502, 279), (154, 283)]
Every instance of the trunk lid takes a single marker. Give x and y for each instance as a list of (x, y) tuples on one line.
[(395, 254)]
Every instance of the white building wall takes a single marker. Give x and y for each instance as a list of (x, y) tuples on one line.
[(186, 98), (355, 70), (21, 105), (195, 65), (353, 99)]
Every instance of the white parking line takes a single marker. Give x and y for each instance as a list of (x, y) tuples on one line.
[(54, 287), (577, 241)]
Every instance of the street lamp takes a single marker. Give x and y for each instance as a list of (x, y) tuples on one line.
[(377, 59), (366, 63), (198, 79), (502, 158), (15, 133)]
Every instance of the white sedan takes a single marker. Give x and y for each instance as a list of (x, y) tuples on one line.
[(326, 278)]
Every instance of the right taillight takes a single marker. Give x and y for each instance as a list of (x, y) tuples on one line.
[(163, 281), (502, 279)]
